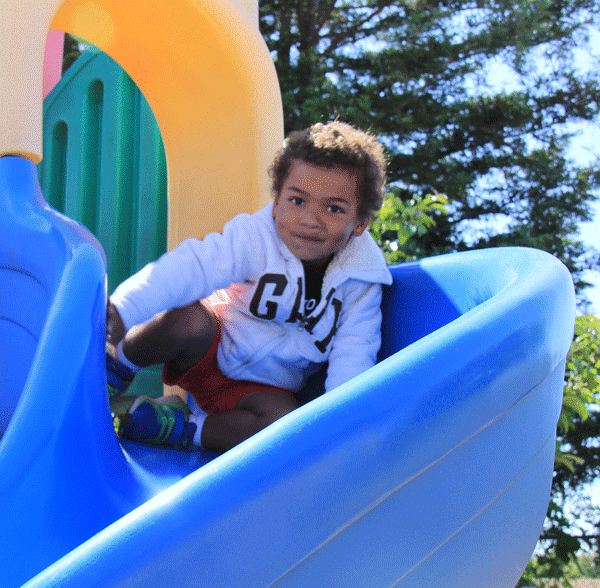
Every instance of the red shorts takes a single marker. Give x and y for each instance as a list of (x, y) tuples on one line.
[(212, 390)]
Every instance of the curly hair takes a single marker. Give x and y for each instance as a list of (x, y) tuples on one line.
[(331, 145)]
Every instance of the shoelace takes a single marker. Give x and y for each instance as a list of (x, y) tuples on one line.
[(167, 422)]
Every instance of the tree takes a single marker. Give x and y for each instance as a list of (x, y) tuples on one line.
[(399, 225), (71, 51), (415, 72)]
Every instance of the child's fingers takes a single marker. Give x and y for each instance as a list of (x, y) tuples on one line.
[(115, 330), (109, 317)]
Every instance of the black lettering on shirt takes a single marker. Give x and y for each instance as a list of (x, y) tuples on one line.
[(280, 282), (322, 345), (313, 320), (295, 314), (261, 306)]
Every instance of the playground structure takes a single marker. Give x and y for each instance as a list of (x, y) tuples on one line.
[(438, 457)]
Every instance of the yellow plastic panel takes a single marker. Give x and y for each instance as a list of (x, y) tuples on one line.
[(210, 81)]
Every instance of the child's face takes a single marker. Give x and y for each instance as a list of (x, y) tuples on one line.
[(316, 212)]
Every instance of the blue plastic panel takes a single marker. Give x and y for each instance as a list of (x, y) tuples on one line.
[(439, 456)]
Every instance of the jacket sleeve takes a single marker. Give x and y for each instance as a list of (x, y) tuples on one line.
[(190, 272), (358, 337)]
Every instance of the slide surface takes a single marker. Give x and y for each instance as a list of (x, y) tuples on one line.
[(438, 457)]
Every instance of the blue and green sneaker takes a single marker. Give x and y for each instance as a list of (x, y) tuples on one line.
[(157, 422)]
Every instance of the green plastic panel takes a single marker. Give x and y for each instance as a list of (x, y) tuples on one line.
[(104, 166)]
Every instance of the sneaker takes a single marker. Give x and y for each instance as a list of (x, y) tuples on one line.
[(118, 376), (159, 423)]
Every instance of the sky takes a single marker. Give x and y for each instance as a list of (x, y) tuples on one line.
[(584, 150), (590, 232)]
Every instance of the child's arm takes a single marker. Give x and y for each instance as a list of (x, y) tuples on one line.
[(358, 337), (192, 271)]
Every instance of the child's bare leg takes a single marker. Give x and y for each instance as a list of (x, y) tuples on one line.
[(252, 413), (182, 336)]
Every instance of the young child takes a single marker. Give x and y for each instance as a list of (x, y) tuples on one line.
[(242, 318)]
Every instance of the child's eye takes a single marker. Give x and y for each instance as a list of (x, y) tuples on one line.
[(335, 209), (296, 200)]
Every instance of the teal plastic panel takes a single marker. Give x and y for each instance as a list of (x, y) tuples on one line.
[(104, 166), (104, 163)]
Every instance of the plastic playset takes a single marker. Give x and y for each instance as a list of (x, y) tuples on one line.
[(432, 469)]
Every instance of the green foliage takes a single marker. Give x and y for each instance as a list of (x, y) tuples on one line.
[(583, 565), (399, 223), (583, 371), (566, 531), (582, 388), (71, 51)]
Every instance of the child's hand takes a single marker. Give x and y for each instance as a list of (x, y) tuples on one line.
[(115, 329)]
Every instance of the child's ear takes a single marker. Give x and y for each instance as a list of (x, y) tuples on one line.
[(362, 224)]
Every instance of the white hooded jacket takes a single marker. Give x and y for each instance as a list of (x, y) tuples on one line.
[(256, 286)]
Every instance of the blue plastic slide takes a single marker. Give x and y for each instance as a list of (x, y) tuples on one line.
[(432, 469)]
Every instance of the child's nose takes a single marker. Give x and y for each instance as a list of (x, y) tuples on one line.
[(309, 217)]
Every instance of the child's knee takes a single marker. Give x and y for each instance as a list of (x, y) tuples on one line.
[(190, 322), (190, 332)]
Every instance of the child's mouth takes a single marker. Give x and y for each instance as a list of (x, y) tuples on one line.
[(309, 238)]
